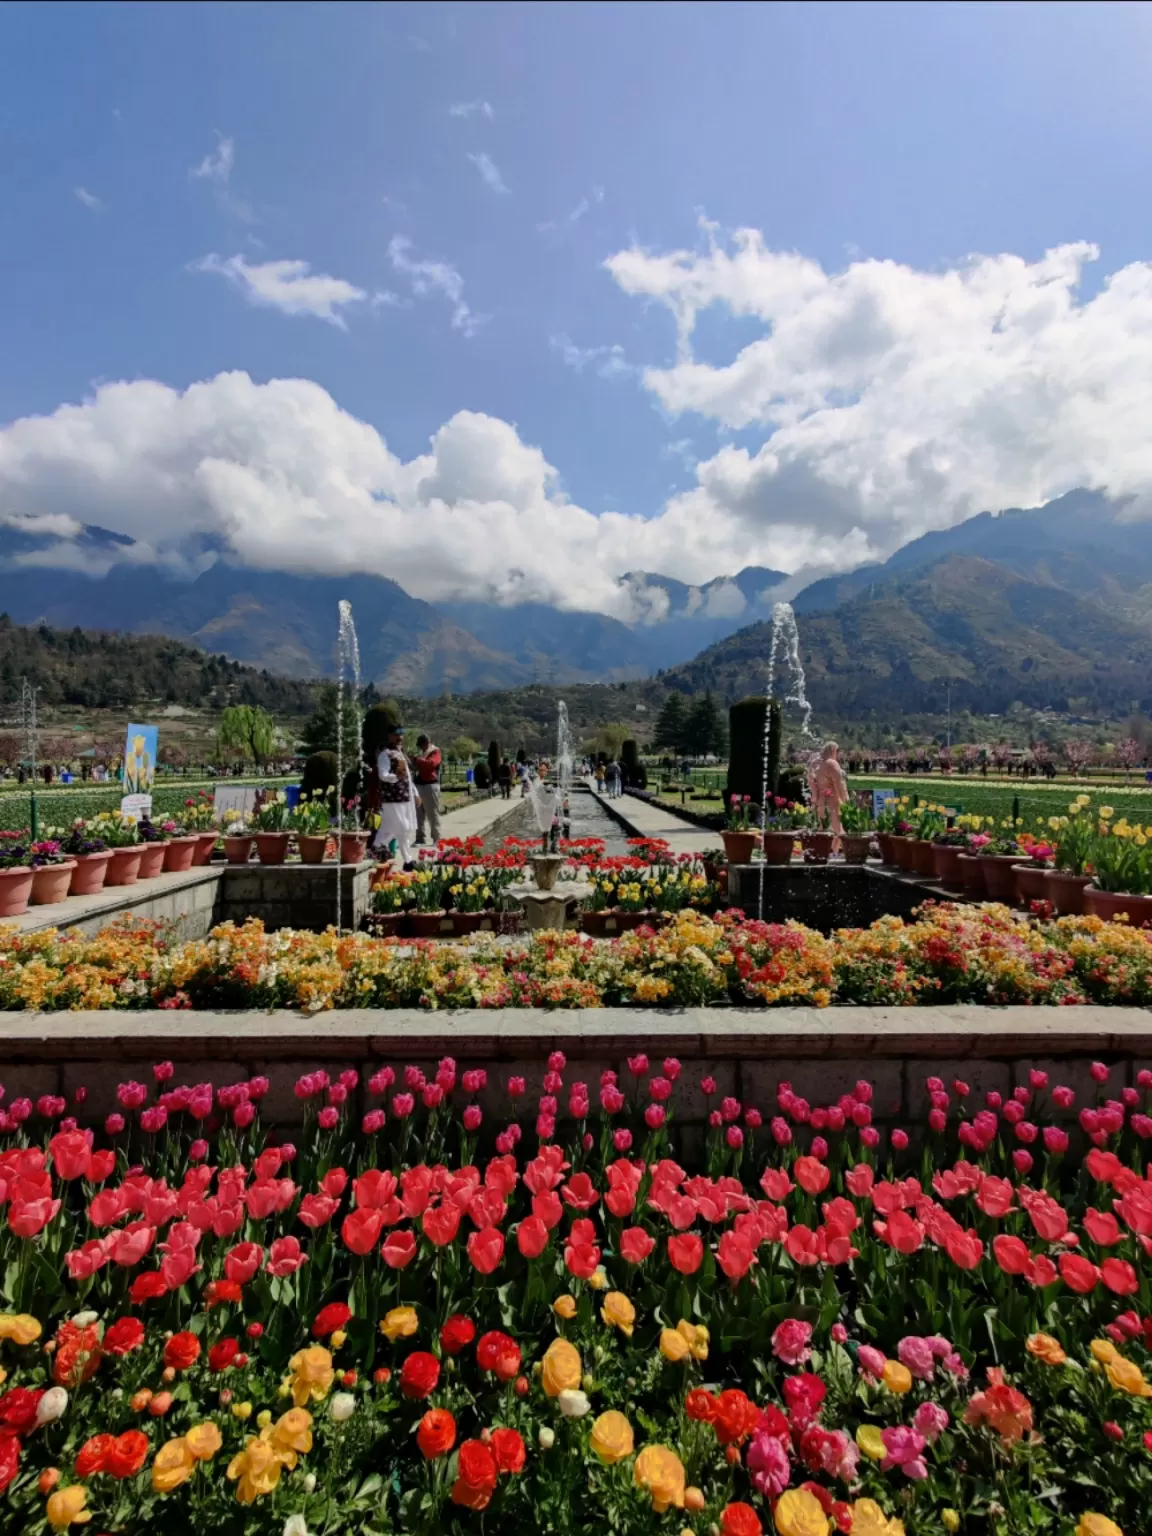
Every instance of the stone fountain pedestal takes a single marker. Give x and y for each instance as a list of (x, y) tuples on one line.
[(547, 901)]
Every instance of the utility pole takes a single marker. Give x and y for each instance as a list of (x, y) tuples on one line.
[(948, 687)]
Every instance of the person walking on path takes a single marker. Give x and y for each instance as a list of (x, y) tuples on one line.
[(397, 799), (600, 778), (428, 764), (613, 779), (504, 775)]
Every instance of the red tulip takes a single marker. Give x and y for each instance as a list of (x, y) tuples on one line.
[(285, 1257), (532, 1237), (636, 1245), (1077, 1273), (811, 1175), (1102, 1227), (361, 1230), (317, 1210), (964, 1249), (242, 1262), (735, 1255), (1011, 1253), (399, 1249), (1119, 1276), (686, 1252), (486, 1249), (441, 1224)]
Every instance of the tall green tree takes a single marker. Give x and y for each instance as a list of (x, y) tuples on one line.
[(248, 730), (320, 730), (704, 730), (670, 723)]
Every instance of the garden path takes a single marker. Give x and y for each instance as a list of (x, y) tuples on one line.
[(645, 820)]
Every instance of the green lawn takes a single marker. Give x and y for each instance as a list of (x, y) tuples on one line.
[(1037, 801)]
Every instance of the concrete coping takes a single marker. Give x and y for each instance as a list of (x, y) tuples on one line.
[(948, 1033)]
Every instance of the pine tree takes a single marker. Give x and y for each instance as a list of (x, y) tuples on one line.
[(670, 724), (704, 730)]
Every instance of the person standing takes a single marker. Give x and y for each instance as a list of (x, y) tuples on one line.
[(428, 764), (397, 798), (504, 775)]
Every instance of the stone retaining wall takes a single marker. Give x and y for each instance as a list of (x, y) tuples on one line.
[(829, 896), (821, 1053)]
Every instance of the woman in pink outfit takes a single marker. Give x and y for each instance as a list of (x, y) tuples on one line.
[(829, 789)]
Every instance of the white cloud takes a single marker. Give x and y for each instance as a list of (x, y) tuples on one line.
[(471, 109), (609, 362), (289, 286), (428, 277), (89, 199), (489, 173), (216, 166), (889, 401), (574, 215)]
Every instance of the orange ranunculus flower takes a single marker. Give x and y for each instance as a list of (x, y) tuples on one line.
[(128, 1454), (1001, 1407), (437, 1433), (291, 1435), (561, 1368), (662, 1472), (1046, 1348), (1126, 1376), (78, 1352), (93, 1455), (896, 1377)]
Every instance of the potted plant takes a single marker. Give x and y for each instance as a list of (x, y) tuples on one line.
[(90, 860), (354, 838), (179, 847), (1121, 859), (51, 873), (121, 834), (947, 848), (427, 916), (888, 824), (390, 900), (16, 875), (816, 839), (998, 854), (739, 836), (856, 819), (1075, 836), (154, 840), (598, 914), (199, 823), (785, 819), (926, 827), (1031, 875), (310, 818), (270, 825), (471, 897), (238, 840)]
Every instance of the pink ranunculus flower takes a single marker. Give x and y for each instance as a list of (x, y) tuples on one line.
[(791, 1340), (768, 1465), (905, 1448), (916, 1354), (930, 1420), (871, 1361)]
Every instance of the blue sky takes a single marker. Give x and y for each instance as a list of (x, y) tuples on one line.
[(914, 135)]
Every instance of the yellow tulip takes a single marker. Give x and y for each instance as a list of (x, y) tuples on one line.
[(612, 1438), (561, 1369), (618, 1312)]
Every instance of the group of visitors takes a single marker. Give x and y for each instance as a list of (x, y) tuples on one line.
[(406, 794), (609, 779)]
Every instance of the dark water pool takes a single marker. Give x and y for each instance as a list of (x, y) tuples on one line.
[(588, 818)]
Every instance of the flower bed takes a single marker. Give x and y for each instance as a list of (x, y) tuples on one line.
[(950, 954), (397, 1325)]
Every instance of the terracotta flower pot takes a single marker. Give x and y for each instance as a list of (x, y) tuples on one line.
[(887, 841), (178, 854), (1030, 883), (905, 855), (857, 847), (817, 847), (152, 857), (972, 874), (464, 923), (1066, 892), (312, 847), (426, 925), (50, 883), (271, 847), (205, 847), (124, 866), (923, 857), (384, 925), (88, 873), (946, 862), (999, 879), (738, 846), (353, 846), (15, 889), (238, 850), (778, 847), (1113, 904)]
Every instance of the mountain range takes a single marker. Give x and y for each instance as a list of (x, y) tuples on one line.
[(1048, 606)]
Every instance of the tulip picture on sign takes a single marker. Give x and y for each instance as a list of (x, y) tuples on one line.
[(139, 770)]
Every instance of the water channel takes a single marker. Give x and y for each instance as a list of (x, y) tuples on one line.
[(588, 818)]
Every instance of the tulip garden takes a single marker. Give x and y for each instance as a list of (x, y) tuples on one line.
[(406, 1319)]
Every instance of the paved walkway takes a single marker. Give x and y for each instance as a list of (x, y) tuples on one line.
[(476, 817), (645, 820)]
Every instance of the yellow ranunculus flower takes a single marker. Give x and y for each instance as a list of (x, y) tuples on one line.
[(598, 1280), (174, 1464), (618, 1312), (203, 1440), (871, 1442), (241, 1410), (400, 1323), (662, 1472), (896, 1377), (255, 1471), (612, 1437), (950, 1520), (561, 1369), (20, 1327), (1126, 1376), (1097, 1525), (673, 1345), (798, 1513), (1046, 1348), (868, 1519), (290, 1435), (312, 1374), (565, 1307), (66, 1507), (696, 1336), (1104, 1350)]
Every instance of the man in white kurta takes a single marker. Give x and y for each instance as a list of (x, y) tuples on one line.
[(397, 799)]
